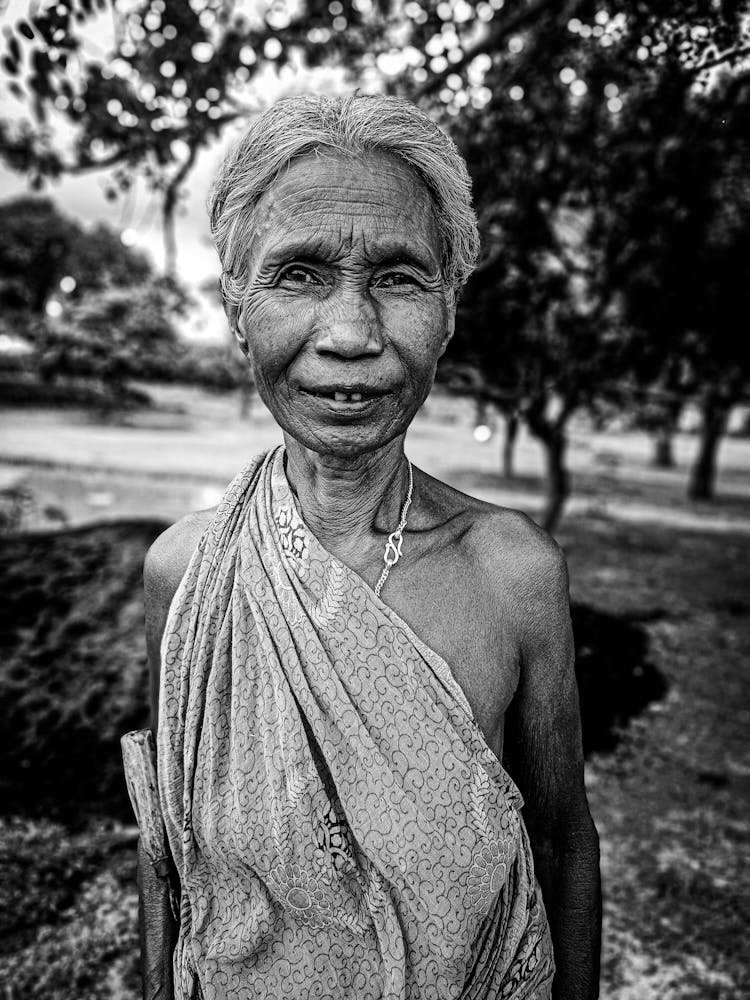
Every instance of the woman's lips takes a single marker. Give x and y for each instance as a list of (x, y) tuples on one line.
[(345, 400)]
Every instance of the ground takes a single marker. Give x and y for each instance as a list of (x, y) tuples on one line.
[(661, 593)]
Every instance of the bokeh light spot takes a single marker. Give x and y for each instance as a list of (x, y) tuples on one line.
[(202, 52), (272, 48)]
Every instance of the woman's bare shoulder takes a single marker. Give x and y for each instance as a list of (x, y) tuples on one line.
[(163, 569), (168, 558), (507, 543)]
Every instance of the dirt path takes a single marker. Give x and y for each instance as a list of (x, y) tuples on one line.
[(165, 463)]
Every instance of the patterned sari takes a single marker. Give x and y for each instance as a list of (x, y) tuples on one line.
[(340, 827)]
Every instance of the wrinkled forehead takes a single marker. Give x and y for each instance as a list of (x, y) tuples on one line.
[(370, 200)]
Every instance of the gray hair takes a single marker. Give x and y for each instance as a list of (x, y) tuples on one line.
[(355, 124)]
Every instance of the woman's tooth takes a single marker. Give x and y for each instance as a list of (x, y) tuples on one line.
[(348, 397)]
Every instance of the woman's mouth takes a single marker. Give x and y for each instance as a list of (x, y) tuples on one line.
[(345, 398), (345, 395)]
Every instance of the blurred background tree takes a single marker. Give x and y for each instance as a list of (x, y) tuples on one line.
[(115, 336), (176, 75), (677, 246), (94, 309), (567, 157), (42, 247)]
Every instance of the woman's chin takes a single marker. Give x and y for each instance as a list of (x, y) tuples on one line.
[(343, 441)]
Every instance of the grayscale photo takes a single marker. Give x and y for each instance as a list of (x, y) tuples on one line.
[(374, 499)]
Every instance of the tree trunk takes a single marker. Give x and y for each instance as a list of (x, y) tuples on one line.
[(703, 473), (663, 456), (169, 211), (509, 444), (553, 438), (558, 479), (170, 232)]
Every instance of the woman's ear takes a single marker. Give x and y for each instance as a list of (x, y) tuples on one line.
[(232, 312), (450, 328)]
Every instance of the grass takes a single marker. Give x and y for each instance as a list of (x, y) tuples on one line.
[(671, 801)]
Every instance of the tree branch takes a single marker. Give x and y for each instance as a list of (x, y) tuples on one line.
[(722, 57), (184, 170), (84, 166)]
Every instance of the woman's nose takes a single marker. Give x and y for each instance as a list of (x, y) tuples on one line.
[(348, 325)]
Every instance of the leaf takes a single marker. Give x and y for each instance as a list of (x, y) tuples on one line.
[(24, 28)]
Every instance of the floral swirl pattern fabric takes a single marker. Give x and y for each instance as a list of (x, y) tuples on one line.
[(340, 826)]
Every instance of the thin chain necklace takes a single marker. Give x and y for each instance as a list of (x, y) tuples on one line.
[(395, 541)]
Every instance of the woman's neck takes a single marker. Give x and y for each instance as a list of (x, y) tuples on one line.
[(346, 502)]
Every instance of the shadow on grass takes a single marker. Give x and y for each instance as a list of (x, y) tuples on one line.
[(73, 673), (616, 680)]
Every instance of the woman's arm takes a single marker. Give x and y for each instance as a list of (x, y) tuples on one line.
[(544, 755), (164, 567), (157, 929)]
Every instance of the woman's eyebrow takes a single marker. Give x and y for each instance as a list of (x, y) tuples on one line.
[(298, 248), (413, 254), (378, 253)]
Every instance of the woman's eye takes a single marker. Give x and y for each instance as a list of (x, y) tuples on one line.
[(395, 279), (300, 275)]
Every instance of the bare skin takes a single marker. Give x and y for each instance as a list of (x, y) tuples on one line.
[(346, 294)]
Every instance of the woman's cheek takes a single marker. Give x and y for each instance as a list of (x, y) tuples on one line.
[(275, 330), (418, 329)]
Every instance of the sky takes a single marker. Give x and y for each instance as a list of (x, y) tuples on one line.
[(137, 211)]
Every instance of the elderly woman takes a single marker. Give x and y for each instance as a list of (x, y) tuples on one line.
[(346, 649)]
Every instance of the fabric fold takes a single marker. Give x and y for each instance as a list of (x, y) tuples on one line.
[(340, 825)]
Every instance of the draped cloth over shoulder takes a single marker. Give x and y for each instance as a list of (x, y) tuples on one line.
[(340, 826)]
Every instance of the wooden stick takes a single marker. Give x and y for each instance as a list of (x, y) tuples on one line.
[(139, 762)]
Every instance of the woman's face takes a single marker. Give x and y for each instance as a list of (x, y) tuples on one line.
[(345, 314)]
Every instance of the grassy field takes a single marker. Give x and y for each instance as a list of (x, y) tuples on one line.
[(661, 594)]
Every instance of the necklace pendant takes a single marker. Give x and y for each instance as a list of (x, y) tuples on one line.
[(395, 541), (393, 548)]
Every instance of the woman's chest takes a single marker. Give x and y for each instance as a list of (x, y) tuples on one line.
[(452, 612)]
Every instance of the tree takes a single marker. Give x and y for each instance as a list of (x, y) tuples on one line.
[(41, 246), (659, 415), (678, 252), (99, 327), (175, 75), (114, 336), (36, 241), (543, 322)]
